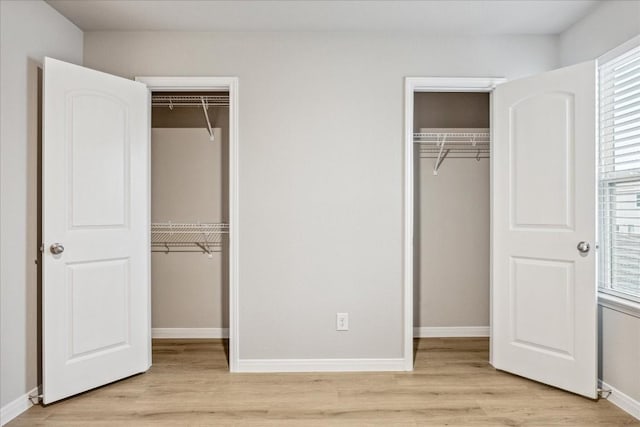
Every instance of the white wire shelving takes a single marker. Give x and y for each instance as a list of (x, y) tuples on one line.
[(200, 101), (459, 143), (188, 237), (189, 100)]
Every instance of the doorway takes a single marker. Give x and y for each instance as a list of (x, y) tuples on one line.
[(97, 130), (542, 296), (451, 253), (205, 108), (427, 128)]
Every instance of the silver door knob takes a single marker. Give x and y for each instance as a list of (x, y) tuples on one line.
[(583, 247), (56, 248)]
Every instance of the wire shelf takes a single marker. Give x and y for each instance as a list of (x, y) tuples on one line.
[(188, 237), (189, 100), (460, 143)]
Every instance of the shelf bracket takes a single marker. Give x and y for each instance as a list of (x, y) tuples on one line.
[(206, 116), (204, 248), (441, 156)]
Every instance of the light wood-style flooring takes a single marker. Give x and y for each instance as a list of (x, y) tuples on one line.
[(453, 385)]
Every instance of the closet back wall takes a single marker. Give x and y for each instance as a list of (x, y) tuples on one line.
[(451, 279), (321, 167), (189, 184)]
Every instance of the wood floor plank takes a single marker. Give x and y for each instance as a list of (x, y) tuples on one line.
[(452, 384)]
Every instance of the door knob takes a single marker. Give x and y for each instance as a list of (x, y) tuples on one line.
[(583, 247), (56, 249)]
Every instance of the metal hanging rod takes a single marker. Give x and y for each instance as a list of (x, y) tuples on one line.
[(172, 101), (460, 143)]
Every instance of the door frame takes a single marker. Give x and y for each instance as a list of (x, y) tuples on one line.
[(229, 84), (428, 84)]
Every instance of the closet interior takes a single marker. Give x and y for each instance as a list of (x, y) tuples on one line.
[(189, 214), (452, 148)]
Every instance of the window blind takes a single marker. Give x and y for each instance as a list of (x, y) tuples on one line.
[(619, 173)]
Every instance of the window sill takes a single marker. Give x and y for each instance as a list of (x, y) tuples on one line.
[(622, 305)]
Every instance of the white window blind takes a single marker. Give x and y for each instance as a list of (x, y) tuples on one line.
[(619, 174)]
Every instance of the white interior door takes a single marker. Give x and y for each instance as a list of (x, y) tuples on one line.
[(544, 318), (96, 316)]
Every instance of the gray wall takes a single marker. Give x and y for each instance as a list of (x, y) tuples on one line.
[(452, 220), (321, 125), (608, 26), (29, 30), (612, 23), (620, 351)]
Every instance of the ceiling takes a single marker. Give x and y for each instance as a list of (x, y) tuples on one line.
[(468, 17)]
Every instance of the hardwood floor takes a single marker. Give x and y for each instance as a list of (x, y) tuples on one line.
[(453, 384)]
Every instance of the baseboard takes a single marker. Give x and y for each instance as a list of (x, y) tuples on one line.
[(190, 332), (320, 365), (17, 407), (450, 331), (621, 400)]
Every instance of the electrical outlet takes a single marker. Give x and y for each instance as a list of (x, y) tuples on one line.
[(342, 321)]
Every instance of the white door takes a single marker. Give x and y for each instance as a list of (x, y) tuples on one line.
[(96, 316), (544, 204)]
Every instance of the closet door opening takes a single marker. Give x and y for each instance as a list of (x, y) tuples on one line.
[(190, 215), (451, 211)]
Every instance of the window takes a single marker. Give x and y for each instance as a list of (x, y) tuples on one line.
[(619, 174)]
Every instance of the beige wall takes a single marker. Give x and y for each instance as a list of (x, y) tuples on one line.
[(29, 30), (452, 286), (450, 110), (320, 186), (189, 173), (452, 220)]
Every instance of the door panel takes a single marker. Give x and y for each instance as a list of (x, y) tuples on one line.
[(537, 283), (96, 318), (544, 314), (99, 294), (535, 147), (99, 147)]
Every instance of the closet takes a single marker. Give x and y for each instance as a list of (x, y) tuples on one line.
[(452, 148), (189, 214)]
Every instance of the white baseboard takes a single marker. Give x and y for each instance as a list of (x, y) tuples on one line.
[(17, 407), (190, 332), (621, 400), (450, 331), (320, 365)]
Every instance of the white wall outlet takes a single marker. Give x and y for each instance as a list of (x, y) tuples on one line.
[(342, 321)]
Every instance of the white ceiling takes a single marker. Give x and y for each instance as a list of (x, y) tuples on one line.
[(466, 17)]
